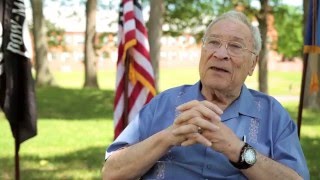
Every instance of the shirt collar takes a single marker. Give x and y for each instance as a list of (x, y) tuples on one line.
[(245, 104), (192, 93)]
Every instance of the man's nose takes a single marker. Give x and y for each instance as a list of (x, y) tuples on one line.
[(222, 52)]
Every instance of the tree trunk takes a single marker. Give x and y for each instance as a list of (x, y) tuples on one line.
[(43, 73), (155, 32), (90, 59), (263, 59)]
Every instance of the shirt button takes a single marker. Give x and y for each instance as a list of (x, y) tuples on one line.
[(209, 166)]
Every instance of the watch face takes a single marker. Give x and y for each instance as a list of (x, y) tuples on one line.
[(250, 156)]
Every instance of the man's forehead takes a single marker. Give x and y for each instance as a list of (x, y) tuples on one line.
[(232, 37), (230, 29)]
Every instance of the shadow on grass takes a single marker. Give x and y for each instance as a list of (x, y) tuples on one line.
[(63, 103), (81, 164), (311, 148), (87, 163)]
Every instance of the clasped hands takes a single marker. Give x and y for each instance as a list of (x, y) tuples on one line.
[(200, 122)]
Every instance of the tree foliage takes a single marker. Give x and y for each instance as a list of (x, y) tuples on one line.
[(55, 35), (289, 26), (188, 16)]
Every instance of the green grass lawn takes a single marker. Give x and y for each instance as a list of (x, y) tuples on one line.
[(75, 125), (280, 83)]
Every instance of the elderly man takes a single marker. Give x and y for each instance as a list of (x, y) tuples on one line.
[(216, 128)]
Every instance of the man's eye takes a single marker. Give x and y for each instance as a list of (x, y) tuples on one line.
[(214, 42), (235, 45)]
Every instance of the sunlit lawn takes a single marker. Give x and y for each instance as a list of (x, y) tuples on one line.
[(75, 125), (280, 83)]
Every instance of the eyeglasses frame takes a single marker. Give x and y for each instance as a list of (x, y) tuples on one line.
[(226, 44)]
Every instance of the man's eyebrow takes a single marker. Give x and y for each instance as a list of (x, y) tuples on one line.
[(237, 38), (215, 35)]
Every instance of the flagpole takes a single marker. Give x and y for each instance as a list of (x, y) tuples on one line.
[(303, 81), (126, 91), (16, 155)]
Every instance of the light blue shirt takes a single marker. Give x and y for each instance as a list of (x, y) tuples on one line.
[(265, 123)]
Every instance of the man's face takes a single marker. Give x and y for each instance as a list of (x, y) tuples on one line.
[(218, 69)]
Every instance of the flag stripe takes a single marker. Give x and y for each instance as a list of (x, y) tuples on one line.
[(139, 102), (141, 60), (145, 76)]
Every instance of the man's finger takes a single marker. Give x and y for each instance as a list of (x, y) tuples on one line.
[(207, 109), (188, 105), (186, 115), (185, 129), (213, 107), (193, 103), (204, 124), (196, 138)]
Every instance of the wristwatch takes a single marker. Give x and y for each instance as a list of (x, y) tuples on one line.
[(248, 157)]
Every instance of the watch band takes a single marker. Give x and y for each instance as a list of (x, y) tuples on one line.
[(242, 164)]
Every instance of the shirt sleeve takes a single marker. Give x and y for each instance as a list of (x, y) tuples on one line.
[(287, 148), (130, 135), (136, 129)]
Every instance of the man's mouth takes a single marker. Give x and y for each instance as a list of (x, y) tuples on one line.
[(219, 69)]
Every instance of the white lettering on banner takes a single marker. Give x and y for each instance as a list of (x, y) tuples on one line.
[(20, 40), (1, 53), (21, 8)]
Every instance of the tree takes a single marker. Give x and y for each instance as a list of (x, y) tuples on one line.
[(189, 16), (155, 33), (263, 57), (291, 21), (43, 73), (90, 58), (176, 15), (55, 35)]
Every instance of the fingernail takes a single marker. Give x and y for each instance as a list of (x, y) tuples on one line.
[(218, 118)]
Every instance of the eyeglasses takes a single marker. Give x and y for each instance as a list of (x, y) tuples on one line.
[(234, 48)]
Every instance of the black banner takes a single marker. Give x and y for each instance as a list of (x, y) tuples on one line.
[(17, 94)]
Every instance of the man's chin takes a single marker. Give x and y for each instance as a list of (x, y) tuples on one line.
[(215, 86)]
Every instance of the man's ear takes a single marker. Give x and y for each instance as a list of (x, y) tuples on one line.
[(253, 65)]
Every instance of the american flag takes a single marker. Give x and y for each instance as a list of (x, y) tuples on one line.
[(135, 84)]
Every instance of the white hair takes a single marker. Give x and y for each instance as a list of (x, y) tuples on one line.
[(239, 16)]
